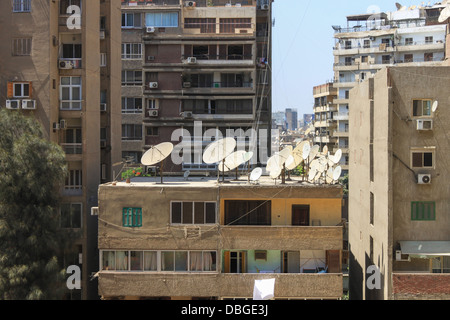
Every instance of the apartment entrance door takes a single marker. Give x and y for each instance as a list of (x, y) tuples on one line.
[(300, 215)]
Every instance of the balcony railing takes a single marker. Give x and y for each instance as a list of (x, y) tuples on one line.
[(381, 25), (72, 148), (236, 84)]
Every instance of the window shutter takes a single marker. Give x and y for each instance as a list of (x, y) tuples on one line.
[(247, 51), (30, 89), (333, 261), (243, 266), (187, 50), (226, 260), (10, 92)]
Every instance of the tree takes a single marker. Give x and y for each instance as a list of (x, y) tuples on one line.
[(32, 169)]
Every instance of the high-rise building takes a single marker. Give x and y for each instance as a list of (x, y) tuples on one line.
[(399, 220), (60, 63), (292, 119), (370, 42), (194, 62)]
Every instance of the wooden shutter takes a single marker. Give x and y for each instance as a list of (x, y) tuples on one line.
[(10, 92), (187, 50), (244, 264), (226, 259), (333, 261), (30, 89)]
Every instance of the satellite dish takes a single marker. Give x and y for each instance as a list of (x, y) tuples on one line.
[(157, 154), (274, 163), (445, 14), (234, 160), (275, 173), (329, 176), (256, 174), (435, 106), (314, 151), (337, 173), (284, 154), (218, 150), (306, 151), (312, 175), (325, 150), (337, 156)]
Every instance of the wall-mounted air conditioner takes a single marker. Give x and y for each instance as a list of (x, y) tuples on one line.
[(150, 29), (103, 107), (12, 104), (264, 7), (153, 113), (401, 257), (187, 114), (186, 84), (29, 104), (424, 179), (62, 124), (190, 4), (191, 60), (66, 65), (424, 124), (94, 211), (153, 85)]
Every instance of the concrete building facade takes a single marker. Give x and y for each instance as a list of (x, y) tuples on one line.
[(194, 61), (61, 65), (407, 37), (399, 219), (197, 239)]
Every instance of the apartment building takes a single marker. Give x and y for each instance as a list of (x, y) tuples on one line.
[(61, 64), (194, 61), (370, 42), (197, 239), (325, 119), (399, 217)]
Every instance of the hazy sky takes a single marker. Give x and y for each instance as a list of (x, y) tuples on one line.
[(303, 45)]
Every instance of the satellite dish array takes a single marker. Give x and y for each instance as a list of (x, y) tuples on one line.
[(319, 166)]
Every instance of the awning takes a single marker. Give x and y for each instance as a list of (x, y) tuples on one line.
[(425, 248)]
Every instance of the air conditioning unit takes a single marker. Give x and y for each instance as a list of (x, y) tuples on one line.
[(424, 179), (153, 113), (190, 4), (191, 60), (264, 7), (29, 104), (13, 104), (102, 107), (186, 84), (424, 125), (62, 124), (153, 85), (186, 114), (66, 65), (55, 126), (401, 257), (150, 29)]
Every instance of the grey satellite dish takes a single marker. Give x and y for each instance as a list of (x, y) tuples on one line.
[(256, 175), (157, 154), (435, 106)]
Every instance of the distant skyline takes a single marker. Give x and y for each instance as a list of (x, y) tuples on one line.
[(303, 45)]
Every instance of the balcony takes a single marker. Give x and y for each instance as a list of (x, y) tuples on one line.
[(342, 133), (340, 116), (113, 284)]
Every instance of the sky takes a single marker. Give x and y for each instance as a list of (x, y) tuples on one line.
[(303, 44)]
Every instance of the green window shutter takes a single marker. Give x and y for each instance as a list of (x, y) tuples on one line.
[(423, 211)]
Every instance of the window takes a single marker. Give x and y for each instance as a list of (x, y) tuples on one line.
[(206, 25), (408, 41), (161, 19), (131, 20), (134, 156), (372, 208), (366, 44), (131, 51), (152, 131), (300, 215), (21, 5), (21, 90), (132, 217), (422, 108), (151, 104), (193, 213), (131, 132), (428, 40), (229, 25), (103, 59), (64, 4), (409, 58), (364, 59), (71, 51), (70, 93), (131, 78), (70, 215), (386, 59), (131, 105), (72, 141), (423, 211), (21, 46), (241, 212), (235, 262), (74, 180), (422, 159), (428, 56)]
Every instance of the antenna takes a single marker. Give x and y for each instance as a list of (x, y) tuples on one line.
[(157, 154)]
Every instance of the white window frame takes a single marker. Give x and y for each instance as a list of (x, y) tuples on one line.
[(131, 82), (69, 184), (129, 47), (125, 103), (431, 150), (127, 137), (132, 14), (70, 86), (193, 213), (103, 59), (152, 104), (21, 5)]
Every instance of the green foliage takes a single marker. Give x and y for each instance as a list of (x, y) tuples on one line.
[(298, 171), (134, 172), (344, 181), (32, 170)]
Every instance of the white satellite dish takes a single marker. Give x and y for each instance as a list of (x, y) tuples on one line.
[(306, 151), (218, 150), (329, 175), (292, 162), (325, 150), (314, 151), (157, 154), (337, 156), (312, 175), (435, 106), (337, 173), (256, 174), (445, 14), (232, 161), (274, 163)]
